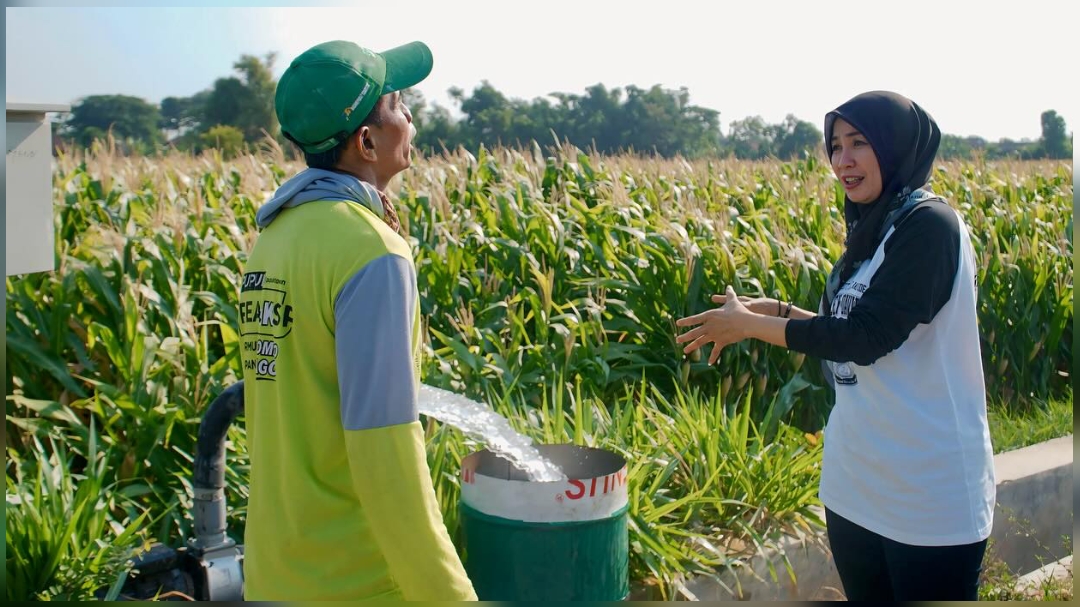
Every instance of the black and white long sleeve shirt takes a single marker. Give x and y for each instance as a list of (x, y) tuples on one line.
[(907, 445)]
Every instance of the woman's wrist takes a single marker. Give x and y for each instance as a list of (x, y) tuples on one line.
[(776, 308), (764, 327), (763, 306), (779, 308)]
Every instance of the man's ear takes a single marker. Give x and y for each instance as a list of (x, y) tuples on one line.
[(365, 143)]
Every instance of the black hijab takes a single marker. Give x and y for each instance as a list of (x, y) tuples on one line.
[(905, 140)]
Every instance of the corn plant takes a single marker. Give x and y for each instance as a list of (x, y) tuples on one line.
[(549, 284)]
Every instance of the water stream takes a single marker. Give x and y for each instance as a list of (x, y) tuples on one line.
[(485, 425)]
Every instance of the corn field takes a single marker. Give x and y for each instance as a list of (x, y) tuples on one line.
[(549, 280)]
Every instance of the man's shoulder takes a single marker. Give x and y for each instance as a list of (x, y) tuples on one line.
[(337, 225)]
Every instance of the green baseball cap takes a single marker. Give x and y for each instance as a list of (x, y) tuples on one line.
[(328, 90)]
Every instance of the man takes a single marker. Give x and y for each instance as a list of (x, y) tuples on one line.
[(342, 504)]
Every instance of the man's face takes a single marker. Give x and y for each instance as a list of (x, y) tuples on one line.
[(392, 137)]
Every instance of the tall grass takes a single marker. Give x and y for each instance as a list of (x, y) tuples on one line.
[(1013, 427), (549, 283), (66, 531)]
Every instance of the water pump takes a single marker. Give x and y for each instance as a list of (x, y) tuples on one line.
[(210, 567)]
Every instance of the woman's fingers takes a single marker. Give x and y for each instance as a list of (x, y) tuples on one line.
[(690, 335), (722, 299), (717, 348), (697, 343), (699, 336), (690, 321)]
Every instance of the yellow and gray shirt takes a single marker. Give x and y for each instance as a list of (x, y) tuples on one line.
[(341, 500)]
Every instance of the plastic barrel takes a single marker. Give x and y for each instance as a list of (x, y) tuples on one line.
[(546, 541)]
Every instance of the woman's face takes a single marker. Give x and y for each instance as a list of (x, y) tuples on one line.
[(854, 163)]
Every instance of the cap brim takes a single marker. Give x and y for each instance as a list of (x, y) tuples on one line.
[(406, 65)]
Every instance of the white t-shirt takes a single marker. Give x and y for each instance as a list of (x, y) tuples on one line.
[(907, 450)]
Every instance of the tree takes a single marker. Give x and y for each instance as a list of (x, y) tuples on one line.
[(591, 120), (1008, 148), (488, 116), (663, 122), (652, 121), (750, 138), (129, 118), (228, 139), (246, 102), (183, 113), (793, 138), (435, 127), (954, 146), (1055, 142)]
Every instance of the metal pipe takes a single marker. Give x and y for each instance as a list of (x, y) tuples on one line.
[(209, 481)]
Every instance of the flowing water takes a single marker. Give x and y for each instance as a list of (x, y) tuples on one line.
[(483, 424)]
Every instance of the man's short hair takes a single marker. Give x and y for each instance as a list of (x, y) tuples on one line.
[(329, 159)]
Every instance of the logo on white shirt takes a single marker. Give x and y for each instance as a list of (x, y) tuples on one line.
[(845, 301)]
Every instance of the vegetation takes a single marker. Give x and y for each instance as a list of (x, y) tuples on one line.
[(549, 282), (1018, 424), (998, 582), (130, 120), (228, 140), (651, 120)]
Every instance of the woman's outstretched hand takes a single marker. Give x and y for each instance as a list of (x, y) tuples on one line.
[(758, 305), (722, 326)]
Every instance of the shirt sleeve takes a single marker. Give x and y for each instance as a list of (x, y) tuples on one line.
[(392, 479), (914, 282), (384, 441), (373, 319)]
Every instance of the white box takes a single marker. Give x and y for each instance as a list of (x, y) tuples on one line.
[(29, 200)]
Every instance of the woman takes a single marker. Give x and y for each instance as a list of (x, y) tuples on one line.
[(907, 476)]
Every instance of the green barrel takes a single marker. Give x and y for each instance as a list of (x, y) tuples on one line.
[(565, 540)]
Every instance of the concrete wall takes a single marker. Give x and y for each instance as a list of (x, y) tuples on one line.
[(1034, 510), (1034, 504), (815, 576)]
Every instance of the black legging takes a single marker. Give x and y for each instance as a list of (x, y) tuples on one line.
[(873, 567)]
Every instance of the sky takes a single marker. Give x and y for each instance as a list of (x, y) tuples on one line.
[(979, 68)]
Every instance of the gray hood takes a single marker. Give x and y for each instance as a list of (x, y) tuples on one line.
[(318, 184)]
